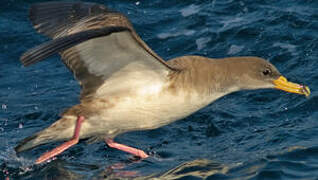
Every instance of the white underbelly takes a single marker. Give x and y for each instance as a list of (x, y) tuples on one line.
[(150, 111)]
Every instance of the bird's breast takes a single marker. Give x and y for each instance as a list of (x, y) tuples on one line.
[(150, 107)]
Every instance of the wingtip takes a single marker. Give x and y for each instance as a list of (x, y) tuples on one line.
[(24, 60)]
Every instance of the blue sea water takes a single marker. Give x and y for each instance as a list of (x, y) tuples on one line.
[(262, 134)]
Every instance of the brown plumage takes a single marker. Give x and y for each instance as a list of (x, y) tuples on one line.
[(125, 85)]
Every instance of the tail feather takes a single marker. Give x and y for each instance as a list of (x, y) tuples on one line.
[(40, 138), (26, 144), (56, 132)]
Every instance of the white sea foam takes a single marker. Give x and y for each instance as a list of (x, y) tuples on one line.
[(201, 42), (234, 49), (289, 47), (166, 35), (232, 22), (192, 9)]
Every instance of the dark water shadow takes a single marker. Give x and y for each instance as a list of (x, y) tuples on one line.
[(293, 163)]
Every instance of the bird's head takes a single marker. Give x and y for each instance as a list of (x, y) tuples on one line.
[(257, 73)]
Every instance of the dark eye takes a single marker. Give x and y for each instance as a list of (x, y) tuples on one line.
[(267, 72)]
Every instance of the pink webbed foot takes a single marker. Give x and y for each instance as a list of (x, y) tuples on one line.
[(58, 150), (136, 152)]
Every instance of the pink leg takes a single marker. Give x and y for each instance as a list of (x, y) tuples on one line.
[(58, 150), (122, 147)]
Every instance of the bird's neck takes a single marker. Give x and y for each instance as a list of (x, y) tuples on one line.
[(204, 77)]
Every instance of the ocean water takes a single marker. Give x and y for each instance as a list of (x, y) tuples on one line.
[(262, 134)]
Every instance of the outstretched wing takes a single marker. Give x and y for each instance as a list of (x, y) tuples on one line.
[(98, 45)]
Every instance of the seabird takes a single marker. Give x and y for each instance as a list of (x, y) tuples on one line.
[(125, 86)]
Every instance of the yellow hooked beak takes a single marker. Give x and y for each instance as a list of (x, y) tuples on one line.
[(283, 84)]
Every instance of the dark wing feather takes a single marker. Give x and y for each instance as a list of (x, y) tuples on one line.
[(52, 18), (62, 43), (95, 45)]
